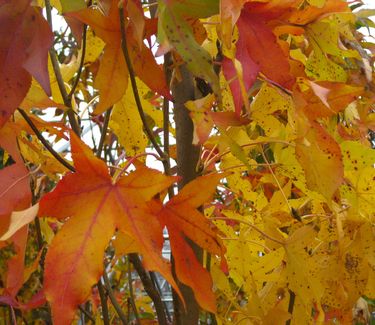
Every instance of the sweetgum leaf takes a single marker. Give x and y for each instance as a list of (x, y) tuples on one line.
[(95, 206), (25, 38)]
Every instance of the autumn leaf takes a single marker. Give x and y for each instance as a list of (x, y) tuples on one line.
[(25, 40), (15, 191), (18, 219), (325, 99), (174, 30), (94, 206), (113, 69), (287, 236), (320, 156), (255, 41), (183, 220), (204, 118)]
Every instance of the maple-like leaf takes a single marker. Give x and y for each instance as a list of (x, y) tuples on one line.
[(113, 69), (15, 195), (25, 38), (258, 51), (174, 30), (204, 118), (320, 157), (183, 220), (15, 191), (95, 206), (325, 99)]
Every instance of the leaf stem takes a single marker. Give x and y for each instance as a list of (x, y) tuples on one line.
[(113, 299), (276, 180), (60, 81), (254, 143), (133, 81), (251, 226), (61, 160)]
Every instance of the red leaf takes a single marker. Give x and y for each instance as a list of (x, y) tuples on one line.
[(25, 38), (263, 49)]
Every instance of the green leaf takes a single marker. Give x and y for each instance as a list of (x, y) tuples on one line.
[(174, 30), (72, 5)]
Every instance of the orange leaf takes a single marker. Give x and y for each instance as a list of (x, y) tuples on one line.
[(96, 205), (112, 78), (183, 220), (325, 99)]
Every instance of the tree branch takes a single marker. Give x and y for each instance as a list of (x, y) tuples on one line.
[(87, 314), (113, 299), (60, 81), (149, 288), (61, 160), (104, 132), (137, 99), (103, 302), (131, 293), (81, 63)]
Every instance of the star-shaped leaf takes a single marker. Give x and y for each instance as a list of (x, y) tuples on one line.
[(95, 206)]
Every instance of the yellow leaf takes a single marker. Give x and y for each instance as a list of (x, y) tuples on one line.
[(320, 68), (320, 156), (124, 244), (317, 3), (94, 47), (33, 151), (127, 125)]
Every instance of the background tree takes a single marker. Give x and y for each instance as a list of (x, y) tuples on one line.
[(237, 133)]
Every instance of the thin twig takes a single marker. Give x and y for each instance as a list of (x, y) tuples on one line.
[(103, 302), (39, 237), (86, 313), (81, 63), (251, 226), (60, 81), (104, 131), (137, 98), (12, 315), (131, 293), (276, 180), (267, 250), (149, 288), (157, 286), (113, 299), (254, 143), (61, 160)]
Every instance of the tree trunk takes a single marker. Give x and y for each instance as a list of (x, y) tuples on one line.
[(187, 159)]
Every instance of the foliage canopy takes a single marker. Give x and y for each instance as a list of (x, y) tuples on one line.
[(281, 205)]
